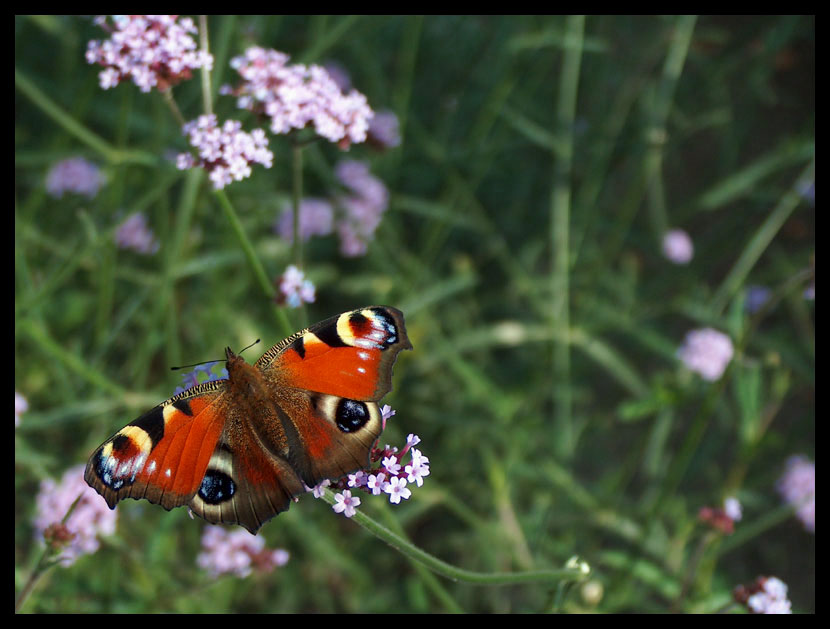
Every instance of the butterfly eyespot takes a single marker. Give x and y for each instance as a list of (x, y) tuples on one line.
[(351, 415), (216, 487)]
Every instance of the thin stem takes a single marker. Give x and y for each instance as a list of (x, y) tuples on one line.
[(576, 571), (296, 195), (207, 98), (560, 208)]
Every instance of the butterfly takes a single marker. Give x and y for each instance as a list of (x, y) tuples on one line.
[(237, 451)]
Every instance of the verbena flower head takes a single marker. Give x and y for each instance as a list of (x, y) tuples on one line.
[(237, 552), (361, 209), (722, 519), (678, 247), (294, 288), (134, 234), (296, 96), (395, 477), (797, 487), (90, 518), (151, 50), (316, 219), (225, 152), (76, 175), (707, 352), (765, 595)]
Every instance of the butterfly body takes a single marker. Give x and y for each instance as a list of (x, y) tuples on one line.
[(239, 450)]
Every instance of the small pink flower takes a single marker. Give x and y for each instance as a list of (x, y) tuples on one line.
[(316, 219), (678, 247), (21, 405), (151, 50), (90, 518), (765, 595), (75, 175), (237, 552), (706, 352), (294, 288), (396, 488), (225, 152), (346, 503)]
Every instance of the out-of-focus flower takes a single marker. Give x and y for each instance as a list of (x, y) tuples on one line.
[(205, 372), (151, 50), (21, 405), (765, 595), (384, 130), (732, 508), (722, 519), (678, 247), (226, 153), (74, 174), (756, 297), (294, 96), (90, 518), (237, 553), (316, 219), (798, 487), (134, 234), (294, 288), (707, 352), (362, 208)]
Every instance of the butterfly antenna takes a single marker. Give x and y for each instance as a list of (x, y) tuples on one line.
[(204, 362), (249, 346)]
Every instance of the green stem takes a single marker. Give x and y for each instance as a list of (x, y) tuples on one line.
[(296, 196), (578, 572), (560, 207), (260, 275), (207, 100)]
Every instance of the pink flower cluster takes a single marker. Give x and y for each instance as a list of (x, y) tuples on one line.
[(74, 174), (294, 96), (798, 487), (151, 50), (355, 214), (706, 352), (90, 518), (237, 552), (765, 595), (390, 478), (295, 289), (134, 234), (226, 153)]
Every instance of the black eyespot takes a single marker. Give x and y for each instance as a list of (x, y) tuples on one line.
[(351, 415), (216, 487)]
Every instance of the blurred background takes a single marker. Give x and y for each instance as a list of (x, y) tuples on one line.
[(564, 200)]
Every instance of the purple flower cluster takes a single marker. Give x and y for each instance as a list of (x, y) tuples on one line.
[(706, 352), (295, 289), (21, 405), (355, 214), (151, 50), (90, 518), (237, 552), (74, 174), (294, 96), (798, 487), (134, 234), (765, 595), (390, 478), (226, 153)]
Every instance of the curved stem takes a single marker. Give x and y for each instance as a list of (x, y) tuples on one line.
[(576, 570)]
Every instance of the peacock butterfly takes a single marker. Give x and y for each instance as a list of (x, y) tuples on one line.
[(237, 451)]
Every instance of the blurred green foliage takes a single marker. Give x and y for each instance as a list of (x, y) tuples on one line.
[(542, 160)]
